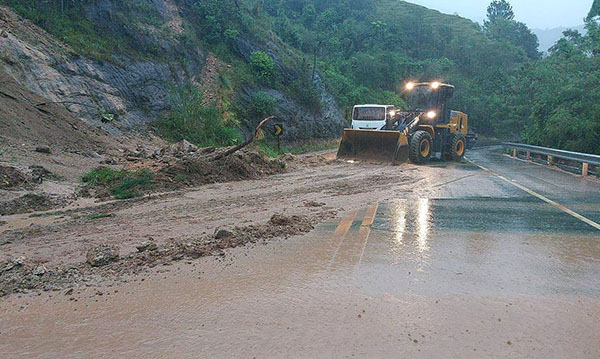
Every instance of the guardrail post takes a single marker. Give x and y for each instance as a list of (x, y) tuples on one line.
[(585, 169), (550, 161), (514, 154), (528, 156)]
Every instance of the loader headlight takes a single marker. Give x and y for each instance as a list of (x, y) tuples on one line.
[(435, 85), (392, 113), (431, 115), (410, 86)]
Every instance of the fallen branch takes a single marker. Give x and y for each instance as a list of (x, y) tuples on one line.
[(248, 141)]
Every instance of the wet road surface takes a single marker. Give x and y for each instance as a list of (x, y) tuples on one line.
[(470, 267)]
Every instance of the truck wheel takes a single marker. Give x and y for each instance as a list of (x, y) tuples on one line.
[(458, 146), (420, 147)]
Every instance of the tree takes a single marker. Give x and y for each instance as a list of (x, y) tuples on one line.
[(516, 33), (594, 11), (499, 9), (501, 26)]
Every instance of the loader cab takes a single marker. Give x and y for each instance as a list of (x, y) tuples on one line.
[(372, 117), (431, 98)]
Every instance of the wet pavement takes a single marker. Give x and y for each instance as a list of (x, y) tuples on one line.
[(470, 267)]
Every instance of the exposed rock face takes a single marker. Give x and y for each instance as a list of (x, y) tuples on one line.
[(301, 124), (136, 90)]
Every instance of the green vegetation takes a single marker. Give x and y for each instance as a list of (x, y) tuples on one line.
[(263, 66), (269, 147), (122, 184), (104, 176), (66, 20), (189, 119), (133, 185), (261, 105), (559, 94), (364, 51)]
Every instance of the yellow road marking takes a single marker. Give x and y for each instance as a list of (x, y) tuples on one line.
[(365, 230), (543, 198), (340, 232), (363, 233), (345, 224), (370, 215)]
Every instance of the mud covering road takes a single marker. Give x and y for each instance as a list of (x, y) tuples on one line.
[(445, 260), (313, 189)]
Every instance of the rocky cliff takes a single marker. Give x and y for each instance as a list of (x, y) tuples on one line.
[(132, 85)]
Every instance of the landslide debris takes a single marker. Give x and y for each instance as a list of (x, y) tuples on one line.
[(198, 169), (21, 275), (31, 202), (11, 177), (102, 255), (177, 166)]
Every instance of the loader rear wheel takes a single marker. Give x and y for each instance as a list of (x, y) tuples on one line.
[(458, 146), (420, 147)]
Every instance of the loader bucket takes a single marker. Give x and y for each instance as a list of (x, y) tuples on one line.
[(374, 146)]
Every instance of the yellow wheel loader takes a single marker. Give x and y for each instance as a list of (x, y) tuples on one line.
[(427, 129)]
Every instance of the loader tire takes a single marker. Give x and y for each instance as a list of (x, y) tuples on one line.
[(458, 147), (420, 147)]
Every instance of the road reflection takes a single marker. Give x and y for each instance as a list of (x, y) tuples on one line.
[(400, 225), (423, 224), (411, 223)]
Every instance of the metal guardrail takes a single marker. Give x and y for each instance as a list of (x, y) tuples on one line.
[(585, 159)]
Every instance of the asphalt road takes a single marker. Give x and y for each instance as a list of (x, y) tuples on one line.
[(501, 261)]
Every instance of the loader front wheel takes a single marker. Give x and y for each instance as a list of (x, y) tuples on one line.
[(420, 147), (458, 146)]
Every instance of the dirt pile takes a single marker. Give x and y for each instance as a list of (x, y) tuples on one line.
[(31, 119), (20, 274), (178, 166), (17, 183), (11, 177), (200, 169), (30, 202)]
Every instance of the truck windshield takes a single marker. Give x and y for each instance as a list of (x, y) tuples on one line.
[(369, 114), (421, 98)]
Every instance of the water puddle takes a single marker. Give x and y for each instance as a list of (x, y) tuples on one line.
[(368, 284)]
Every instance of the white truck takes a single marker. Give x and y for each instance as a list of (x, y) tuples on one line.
[(371, 117)]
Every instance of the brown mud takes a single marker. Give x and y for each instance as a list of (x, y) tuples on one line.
[(292, 195), (21, 275)]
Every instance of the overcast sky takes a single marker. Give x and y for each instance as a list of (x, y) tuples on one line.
[(537, 14)]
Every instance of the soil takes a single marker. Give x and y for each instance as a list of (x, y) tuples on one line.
[(21, 274), (195, 207), (29, 203), (292, 195), (11, 177), (198, 170)]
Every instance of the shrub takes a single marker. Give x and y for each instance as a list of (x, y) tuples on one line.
[(132, 185), (261, 105), (264, 67), (305, 93), (104, 176), (122, 184), (190, 120)]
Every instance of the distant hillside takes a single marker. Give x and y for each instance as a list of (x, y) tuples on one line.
[(306, 61), (549, 37)]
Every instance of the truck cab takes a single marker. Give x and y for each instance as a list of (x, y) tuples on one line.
[(372, 117)]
